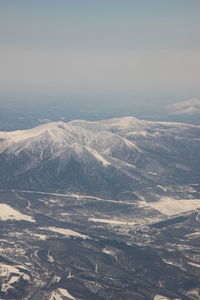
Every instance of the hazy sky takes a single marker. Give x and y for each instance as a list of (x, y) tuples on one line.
[(138, 48)]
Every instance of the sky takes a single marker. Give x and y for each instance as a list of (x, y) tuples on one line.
[(100, 49)]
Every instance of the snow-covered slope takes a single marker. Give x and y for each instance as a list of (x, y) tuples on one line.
[(55, 134)]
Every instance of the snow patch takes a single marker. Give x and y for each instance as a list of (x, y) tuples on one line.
[(6, 272), (39, 236), (170, 206), (9, 213), (111, 221), (99, 157), (67, 232), (65, 293), (50, 258), (59, 293), (160, 297), (108, 251), (194, 234), (169, 262), (55, 296), (194, 264)]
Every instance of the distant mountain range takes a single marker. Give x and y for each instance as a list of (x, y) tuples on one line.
[(189, 107), (184, 111)]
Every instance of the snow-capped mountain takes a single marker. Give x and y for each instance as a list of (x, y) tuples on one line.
[(187, 111), (115, 157), (188, 107)]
